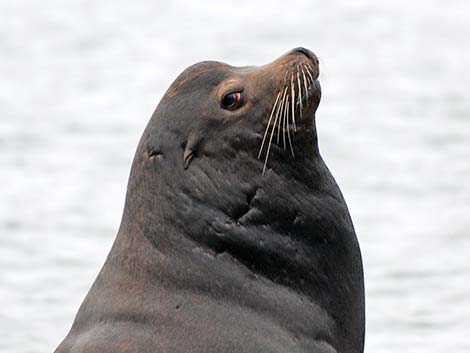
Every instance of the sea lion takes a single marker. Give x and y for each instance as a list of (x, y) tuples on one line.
[(235, 237)]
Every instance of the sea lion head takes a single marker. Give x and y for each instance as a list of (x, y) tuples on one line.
[(217, 110)]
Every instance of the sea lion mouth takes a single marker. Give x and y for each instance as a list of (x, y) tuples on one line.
[(295, 101)]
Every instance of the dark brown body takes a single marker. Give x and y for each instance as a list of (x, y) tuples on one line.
[(212, 255)]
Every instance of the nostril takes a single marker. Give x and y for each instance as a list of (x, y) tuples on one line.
[(304, 51)]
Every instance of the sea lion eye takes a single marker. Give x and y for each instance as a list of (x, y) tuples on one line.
[(232, 100)]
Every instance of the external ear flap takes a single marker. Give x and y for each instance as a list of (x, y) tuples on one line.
[(190, 150), (188, 155)]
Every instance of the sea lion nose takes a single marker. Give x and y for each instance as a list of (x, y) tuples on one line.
[(306, 52)]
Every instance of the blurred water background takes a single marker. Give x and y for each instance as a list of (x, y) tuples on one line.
[(79, 80)]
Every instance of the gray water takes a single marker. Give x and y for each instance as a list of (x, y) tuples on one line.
[(79, 80)]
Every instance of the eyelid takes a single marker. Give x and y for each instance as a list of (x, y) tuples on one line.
[(233, 90)]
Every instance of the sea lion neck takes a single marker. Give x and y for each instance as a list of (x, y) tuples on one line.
[(191, 230), (268, 222)]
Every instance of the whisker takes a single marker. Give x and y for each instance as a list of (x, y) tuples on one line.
[(286, 123), (293, 101), (269, 122), (280, 110), (309, 81), (271, 138), (305, 80), (284, 109), (309, 73), (300, 94), (284, 130), (288, 130)]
